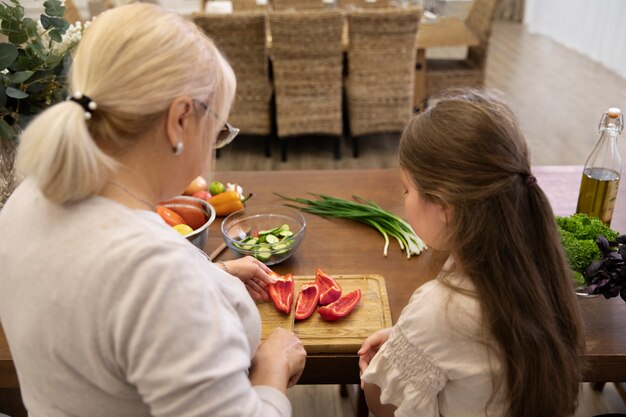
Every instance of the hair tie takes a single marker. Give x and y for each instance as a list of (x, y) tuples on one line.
[(528, 178), (85, 102)]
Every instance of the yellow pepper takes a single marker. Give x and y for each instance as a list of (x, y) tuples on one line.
[(226, 203)]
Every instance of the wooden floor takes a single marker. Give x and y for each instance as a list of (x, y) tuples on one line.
[(558, 96)]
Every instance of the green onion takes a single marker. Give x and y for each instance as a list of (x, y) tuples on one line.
[(367, 212)]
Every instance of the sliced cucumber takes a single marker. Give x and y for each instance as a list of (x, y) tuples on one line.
[(285, 233), (263, 254), (283, 228), (271, 239), (280, 248)]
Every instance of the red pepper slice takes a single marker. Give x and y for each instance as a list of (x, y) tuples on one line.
[(330, 290), (341, 307), (308, 298), (281, 292)]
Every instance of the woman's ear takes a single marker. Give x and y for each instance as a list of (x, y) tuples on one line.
[(178, 117)]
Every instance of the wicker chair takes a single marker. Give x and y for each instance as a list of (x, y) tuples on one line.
[(248, 5), (381, 70), (242, 38), (71, 12), (443, 73), (307, 59), (363, 4), (300, 4)]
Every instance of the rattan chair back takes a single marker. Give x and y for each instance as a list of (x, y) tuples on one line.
[(242, 39), (307, 62), (381, 69), (71, 12), (248, 5), (443, 74), (302, 4), (349, 5), (480, 21)]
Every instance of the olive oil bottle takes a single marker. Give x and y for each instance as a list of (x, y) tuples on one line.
[(601, 175)]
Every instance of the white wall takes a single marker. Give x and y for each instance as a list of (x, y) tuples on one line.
[(596, 29)]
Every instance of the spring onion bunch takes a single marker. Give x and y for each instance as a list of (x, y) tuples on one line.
[(367, 212)]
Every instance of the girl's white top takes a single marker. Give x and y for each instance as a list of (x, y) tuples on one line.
[(435, 361)]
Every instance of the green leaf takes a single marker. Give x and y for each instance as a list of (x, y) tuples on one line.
[(17, 12), (54, 22), (15, 93), (6, 131), (14, 30), (8, 54), (30, 26), (20, 77), (55, 35), (54, 8)]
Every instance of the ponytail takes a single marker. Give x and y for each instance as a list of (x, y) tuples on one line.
[(57, 151)]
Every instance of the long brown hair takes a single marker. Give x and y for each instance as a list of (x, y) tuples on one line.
[(467, 152)]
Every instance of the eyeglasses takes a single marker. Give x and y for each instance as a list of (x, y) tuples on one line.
[(226, 134)]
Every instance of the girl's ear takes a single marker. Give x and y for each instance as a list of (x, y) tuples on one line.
[(447, 213), (177, 120)]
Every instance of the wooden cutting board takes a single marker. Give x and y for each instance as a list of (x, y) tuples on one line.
[(344, 335)]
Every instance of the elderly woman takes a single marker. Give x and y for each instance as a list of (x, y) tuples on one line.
[(107, 310)]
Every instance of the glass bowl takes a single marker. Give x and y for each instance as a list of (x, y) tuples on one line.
[(248, 231), (200, 235)]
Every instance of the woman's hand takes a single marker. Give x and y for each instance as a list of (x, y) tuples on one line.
[(370, 346), (253, 273), (279, 361)]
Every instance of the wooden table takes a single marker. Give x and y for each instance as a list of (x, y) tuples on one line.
[(444, 32), (342, 247)]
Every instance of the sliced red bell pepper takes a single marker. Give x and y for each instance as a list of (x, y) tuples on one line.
[(308, 297), (341, 307), (281, 292), (330, 290)]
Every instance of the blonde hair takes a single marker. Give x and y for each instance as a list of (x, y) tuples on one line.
[(466, 151), (133, 61)]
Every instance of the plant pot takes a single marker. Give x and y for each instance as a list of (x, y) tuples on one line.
[(8, 180)]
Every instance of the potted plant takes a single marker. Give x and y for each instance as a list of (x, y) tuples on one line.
[(34, 59)]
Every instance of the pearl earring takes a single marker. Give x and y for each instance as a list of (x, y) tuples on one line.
[(178, 149)]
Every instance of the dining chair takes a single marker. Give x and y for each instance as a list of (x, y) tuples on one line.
[(301, 4), (241, 36), (71, 12), (307, 63), (381, 70), (248, 5), (469, 72), (362, 4)]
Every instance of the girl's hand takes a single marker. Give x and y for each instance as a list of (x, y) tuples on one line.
[(370, 346), (253, 273)]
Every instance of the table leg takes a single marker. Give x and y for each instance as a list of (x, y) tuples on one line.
[(11, 402), (419, 96)]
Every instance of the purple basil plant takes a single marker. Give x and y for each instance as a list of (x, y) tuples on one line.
[(607, 275)]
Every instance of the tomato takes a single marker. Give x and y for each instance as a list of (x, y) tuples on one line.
[(169, 216), (198, 184), (202, 195), (191, 215)]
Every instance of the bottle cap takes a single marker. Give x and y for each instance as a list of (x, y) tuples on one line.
[(614, 112)]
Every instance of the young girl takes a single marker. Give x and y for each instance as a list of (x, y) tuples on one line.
[(498, 332)]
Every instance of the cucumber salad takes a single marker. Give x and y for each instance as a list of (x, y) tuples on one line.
[(262, 244)]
